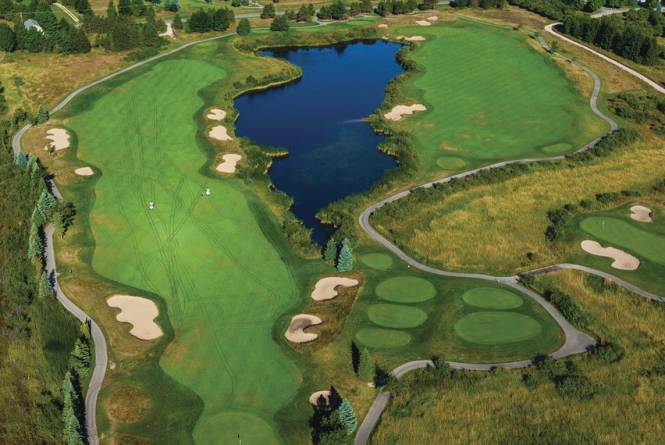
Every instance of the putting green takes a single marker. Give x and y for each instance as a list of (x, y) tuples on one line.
[(207, 256), (495, 328), (396, 316), (379, 261), (489, 102), (406, 289), (382, 338), (492, 298), (620, 233), (450, 163)]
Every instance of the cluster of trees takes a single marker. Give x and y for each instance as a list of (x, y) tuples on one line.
[(56, 36), (643, 109), (554, 9), (339, 254), (73, 411), (484, 4), (632, 39), (568, 380), (333, 420), (211, 20)]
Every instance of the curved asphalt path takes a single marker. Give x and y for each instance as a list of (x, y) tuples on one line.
[(575, 341)]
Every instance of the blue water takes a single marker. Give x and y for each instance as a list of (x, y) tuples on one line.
[(332, 153)]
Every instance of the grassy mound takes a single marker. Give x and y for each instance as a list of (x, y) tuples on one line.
[(495, 328), (396, 316), (379, 261), (406, 290), (492, 298), (382, 338)]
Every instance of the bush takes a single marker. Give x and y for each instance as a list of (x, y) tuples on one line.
[(607, 352), (568, 307)]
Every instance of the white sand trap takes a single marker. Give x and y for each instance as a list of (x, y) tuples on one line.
[(216, 114), (622, 260), (400, 110), (140, 313), (383, 25), (219, 132), (229, 164), (84, 171), (412, 38), (423, 23), (433, 18), (169, 31), (641, 213), (313, 399), (325, 287), (59, 138), (296, 331)]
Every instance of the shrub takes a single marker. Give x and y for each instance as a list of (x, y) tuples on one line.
[(568, 307)]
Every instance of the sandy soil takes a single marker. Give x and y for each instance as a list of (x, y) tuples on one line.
[(84, 171), (412, 38), (383, 25), (140, 313), (229, 164), (296, 331), (641, 213), (219, 132), (423, 23), (169, 31), (315, 396), (433, 18), (216, 114), (59, 138), (399, 110), (325, 287), (622, 260)]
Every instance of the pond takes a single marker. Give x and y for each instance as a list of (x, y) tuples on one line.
[(332, 151)]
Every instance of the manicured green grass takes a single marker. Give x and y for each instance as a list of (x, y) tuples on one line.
[(405, 289), (493, 328), (450, 163), (492, 298), (382, 338), (490, 96), (379, 261), (396, 316), (208, 258)]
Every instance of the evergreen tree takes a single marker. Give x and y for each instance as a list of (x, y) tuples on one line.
[(355, 357), (42, 115), (365, 367), (7, 38), (72, 429), (177, 22), (199, 22), (138, 8), (35, 244), (347, 417), (110, 10), (244, 27), (381, 377), (330, 252), (280, 24), (44, 290), (83, 7), (222, 19), (124, 7), (79, 41), (334, 400), (6, 9), (21, 159), (80, 358), (46, 205), (268, 11), (345, 259)]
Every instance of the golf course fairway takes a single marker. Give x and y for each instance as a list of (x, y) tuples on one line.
[(222, 281)]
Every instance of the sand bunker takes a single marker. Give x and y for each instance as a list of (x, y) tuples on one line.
[(313, 399), (423, 23), (219, 132), (622, 260), (59, 138), (399, 110), (325, 287), (383, 25), (229, 164), (641, 213), (296, 331), (140, 313), (412, 38), (169, 31), (433, 18), (84, 171), (216, 114)]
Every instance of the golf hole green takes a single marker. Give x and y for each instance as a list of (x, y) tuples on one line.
[(557, 148), (382, 338), (495, 328), (379, 261), (450, 162), (396, 316), (406, 290), (492, 298)]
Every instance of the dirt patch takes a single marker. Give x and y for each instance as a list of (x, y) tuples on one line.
[(641, 213), (229, 163), (59, 138), (296, 331), (126, 404), (382, 25), (400, 110), (219, 133), (622, 260), (314, 398), (84, 171), (423, 23), (140, 313), (325, 287), (216, 114)]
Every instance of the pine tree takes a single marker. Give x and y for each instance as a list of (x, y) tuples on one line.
[(365, 367), (280, 23), (124, 7), (345, 259), (80, 358), (330, 252), (110, 10), (44, 290), (46, 205), (355, 357), (244, 27), (138, 8), (35, 245), (334, 399), (347, 416), (21, 159), (268, 11), (177, 22)]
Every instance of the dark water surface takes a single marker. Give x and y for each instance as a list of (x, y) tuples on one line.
[(332, 154)]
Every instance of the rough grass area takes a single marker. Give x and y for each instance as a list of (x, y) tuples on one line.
[(509, 407)]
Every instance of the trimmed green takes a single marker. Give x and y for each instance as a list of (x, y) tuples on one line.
[(493, 328), (492, 298), (378, 261), (404, 289), (450, 163), (382, 338), (396, 316)]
